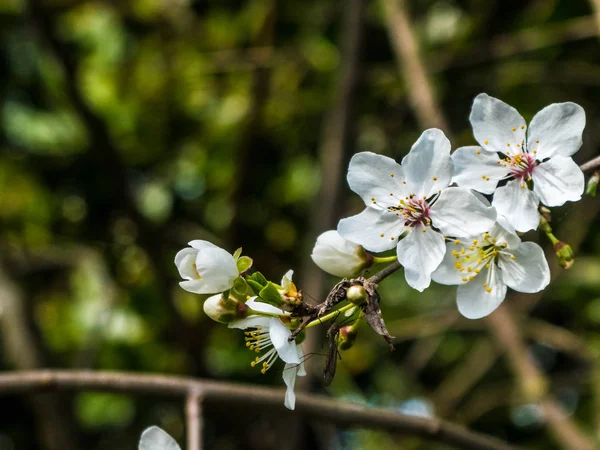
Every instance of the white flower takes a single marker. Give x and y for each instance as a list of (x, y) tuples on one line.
[(154, 438), (337, 256), (485, 266), (536, 161), (413, 198), (271, 335), (207, 268)]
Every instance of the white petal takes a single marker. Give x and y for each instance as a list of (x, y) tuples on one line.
[(217, 269), (472, 298), (185, 260), (154, 438), (528, 272), (263, 307), (457, 212), (250, 322), (518, 205), (477, 169), (301, 369), (428, 166), (367, 227), (337, 256), (376, 176), (556, 130), (420, 252), (447, 272), (504, 233), (493, 123), (557, 181), (289, 378), (279, 335)]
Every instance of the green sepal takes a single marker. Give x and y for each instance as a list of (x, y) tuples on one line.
[(269, 294), (256, 287), (244, 263), (240, 289), (237, 253), (259, 278)]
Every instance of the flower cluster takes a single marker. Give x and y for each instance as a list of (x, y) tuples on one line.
[(430, 207)]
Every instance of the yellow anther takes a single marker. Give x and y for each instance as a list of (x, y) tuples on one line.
[(373, 199), (391, 175), (462, 252), (523, 186), (475, 241), (522, 127), (514, 129), (477, 271), (472, 248), (404, 182), (469, 269), (471, 277), (489, 289), (487, 178), (424, 230), (508, 145), (486, 142), (537, 141), (381, 235), (465, 279), (457, 242), (512, 257), (483, 177), (478, 152), (487, 266), (485, 284), (434, 178)]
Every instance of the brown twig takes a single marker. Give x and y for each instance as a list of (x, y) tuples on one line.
[(193, 420), (591, 164), (385, 272), (316, 407)]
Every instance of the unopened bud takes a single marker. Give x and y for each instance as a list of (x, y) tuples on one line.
[(347, 337), (593, 184), (337, 256), (224, 310), (565, 254), (356, 294)]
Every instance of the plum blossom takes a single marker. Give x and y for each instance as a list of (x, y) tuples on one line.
[(337, 256), (485, 266), (207, 269), (269, 334), (536, 162), (154, 438), (413, 199)]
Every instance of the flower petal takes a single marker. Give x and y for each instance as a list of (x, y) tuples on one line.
[(301, 369), (154, 438), (473, 299), (279, 335), (477, 169), (289, 378), (557, 181), (263, 307), (457, 212), (250, 322), (337, 256), (185, 260), (428, 166), (556, 130), (420, 252), (217, 269), (447, 272), (518, 205), (376, 176), (496, 125), (503, 233), (528, 272), (373, 229)]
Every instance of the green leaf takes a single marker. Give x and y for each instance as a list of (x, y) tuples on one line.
[(269, 294), (244, 263), (259, 278), (256, 287), (237, 253)]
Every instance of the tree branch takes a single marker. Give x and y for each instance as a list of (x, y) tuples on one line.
[(313, 406), (385, 272), (193, 420), (592, 163)]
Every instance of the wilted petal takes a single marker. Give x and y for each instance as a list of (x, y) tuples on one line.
[(457, 212), (428, 166), (518, 205), (420, 252), (528, 272), (477, 169), (556, 130), (154, 438), (279, 335), (373, 229), (374, 176), (473, 299), (496, 125), (557, 181)]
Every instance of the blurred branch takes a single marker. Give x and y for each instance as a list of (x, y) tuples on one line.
[(24, 353), (419, 87), (595, 4), (193, 420), (591, 164), (316, 407)]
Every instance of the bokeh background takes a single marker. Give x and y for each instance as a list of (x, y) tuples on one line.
[(128, 128)]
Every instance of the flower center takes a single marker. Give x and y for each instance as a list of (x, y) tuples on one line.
[(258, 341), (413, 210), (521, 165)]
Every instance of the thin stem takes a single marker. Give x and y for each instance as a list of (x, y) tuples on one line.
[(385, 272), (331, 315), (314, 406), (591, 164), (384, 259)]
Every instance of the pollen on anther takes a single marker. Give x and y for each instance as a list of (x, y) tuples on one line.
[(488, 289), (434, 178), (465, 279), (457, 242), (487, 178), (486, 142), (477, 270), (512, 256), (483, 177), (508, 145), (537, 141), (514, 129), (424, 230), (381, 235), (391, 194), (523, 185), (522, 127), (487, 266), (404, 182), (478, 152), (392, 175)]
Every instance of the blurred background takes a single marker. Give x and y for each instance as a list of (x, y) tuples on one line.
[(128, 128)]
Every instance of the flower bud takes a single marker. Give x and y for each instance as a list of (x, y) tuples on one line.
[(224, 310), (565, 254), (593, 184), (356, 294), (347, 337), (340, 257)]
